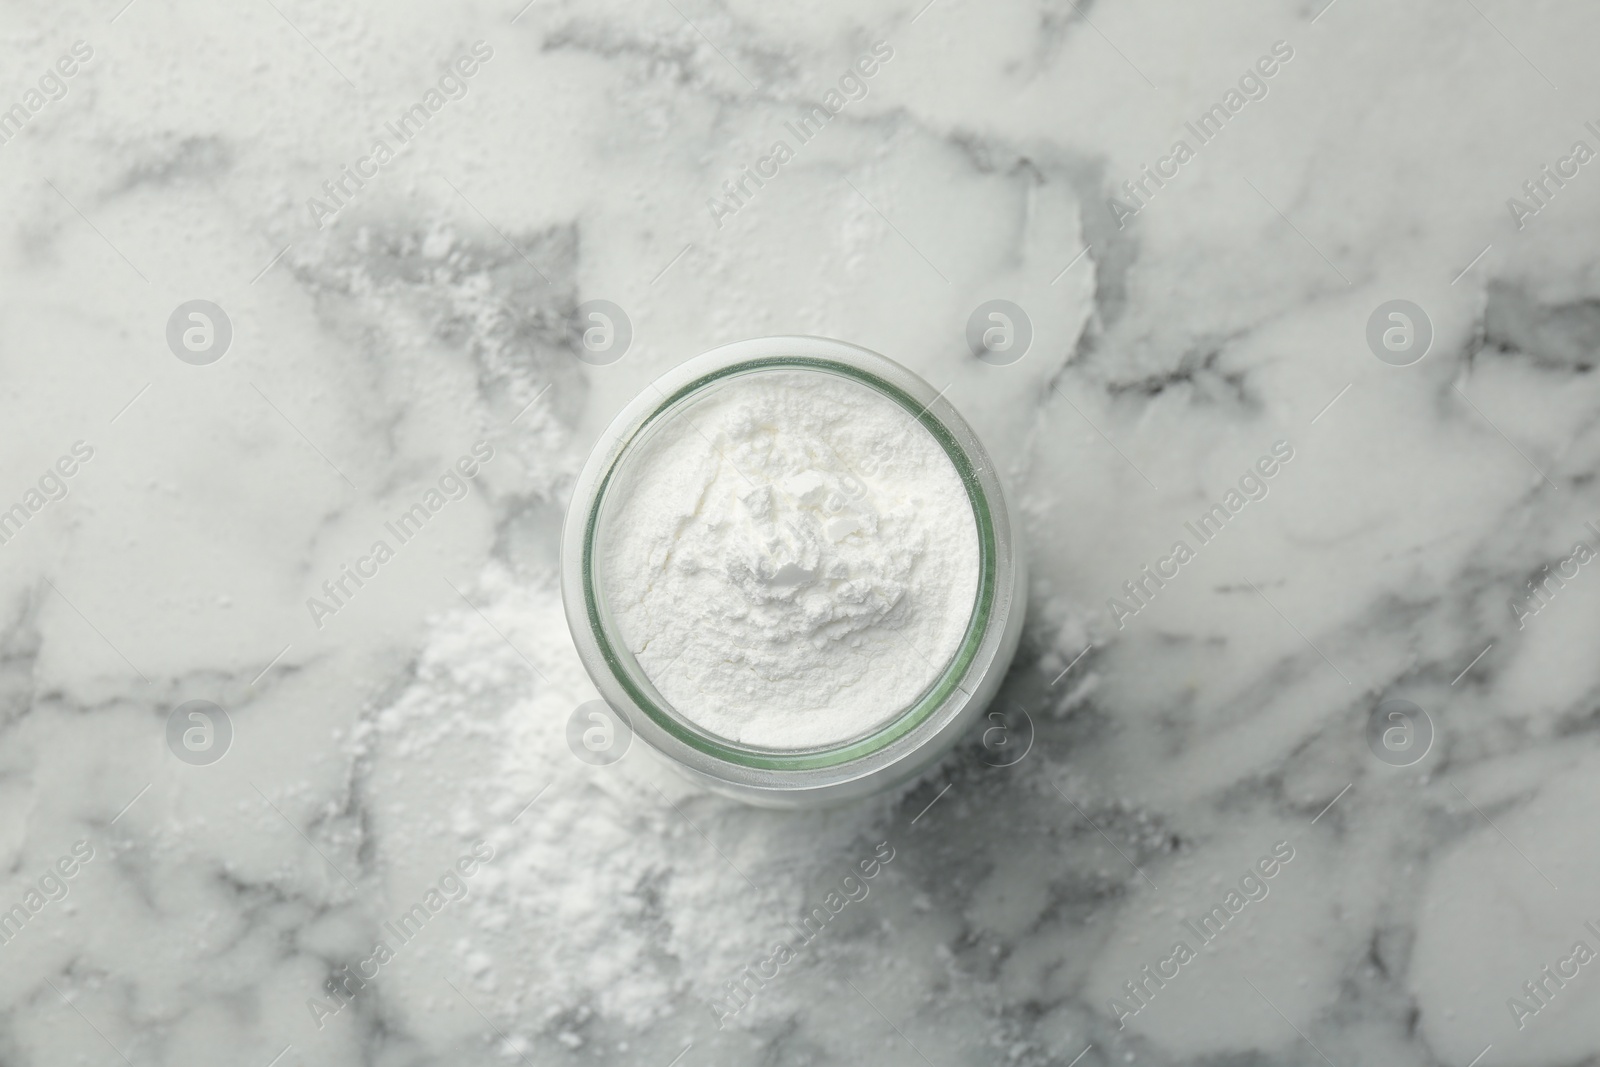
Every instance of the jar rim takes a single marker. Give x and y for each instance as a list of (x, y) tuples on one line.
[(626, 686), (626, 669)]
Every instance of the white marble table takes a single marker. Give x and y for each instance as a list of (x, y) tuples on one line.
[(375, 846)]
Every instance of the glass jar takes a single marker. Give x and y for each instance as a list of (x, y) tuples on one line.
[(906, 742)]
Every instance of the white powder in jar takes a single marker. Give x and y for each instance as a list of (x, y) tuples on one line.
[(792, 559)]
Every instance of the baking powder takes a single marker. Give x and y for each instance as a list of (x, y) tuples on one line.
[(792, 559)]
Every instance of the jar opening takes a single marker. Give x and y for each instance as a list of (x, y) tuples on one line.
[(637, 684)]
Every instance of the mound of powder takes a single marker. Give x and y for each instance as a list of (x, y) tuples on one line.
[(792, 559)]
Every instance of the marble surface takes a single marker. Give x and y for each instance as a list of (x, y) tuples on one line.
[(405, 745)]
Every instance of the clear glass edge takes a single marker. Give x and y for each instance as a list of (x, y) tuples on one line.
[(938, 693)]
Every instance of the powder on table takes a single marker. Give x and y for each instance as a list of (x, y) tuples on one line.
[(792, 559)]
